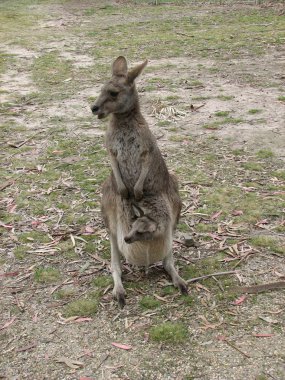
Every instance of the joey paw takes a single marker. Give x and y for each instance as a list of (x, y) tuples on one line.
[(138, 194), (124, 192)]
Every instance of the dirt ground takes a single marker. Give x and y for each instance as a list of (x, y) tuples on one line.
[(214, 96)]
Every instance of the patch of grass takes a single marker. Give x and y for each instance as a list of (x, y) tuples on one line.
[(169, 332), (252, 166), (232, 120), (82, 307), (268, 242), (102, 281), (20, 252), (149, 302), (195, 83), (34, 236), (65, 293), (177, 138), (46, 275), (205, 227), (212, 126), (183, 227), (168, 290), (203, 267), (280, 174), (265, 153), (171, 98), (188, 300), (222, 113), (225, 97), (164, 123), (51, 72), (254, 111), (238, 152), (281, 98)]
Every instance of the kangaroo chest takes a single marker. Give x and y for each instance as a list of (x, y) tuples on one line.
[(127, 146)]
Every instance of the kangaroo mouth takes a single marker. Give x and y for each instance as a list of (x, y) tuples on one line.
[(101, 115)]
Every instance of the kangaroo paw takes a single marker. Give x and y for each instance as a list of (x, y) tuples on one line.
[(119, 295), (183, 287)]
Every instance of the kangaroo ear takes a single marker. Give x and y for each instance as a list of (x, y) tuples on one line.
[(135, 72), (120, 67)]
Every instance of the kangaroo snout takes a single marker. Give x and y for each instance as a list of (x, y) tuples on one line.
[(94, 109), (97, 110)]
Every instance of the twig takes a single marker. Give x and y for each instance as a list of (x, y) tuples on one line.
[(235, 347), (25, 141), (210, 275), (6, 184), (102, 361), (193, 108), (254, 289)]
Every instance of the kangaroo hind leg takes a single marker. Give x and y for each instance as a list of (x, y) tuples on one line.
[(118, 291), (178, 282)]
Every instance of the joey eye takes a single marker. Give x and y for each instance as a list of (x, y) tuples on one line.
[(114, 94)]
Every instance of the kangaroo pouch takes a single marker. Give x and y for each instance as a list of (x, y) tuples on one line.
[(143, 253)]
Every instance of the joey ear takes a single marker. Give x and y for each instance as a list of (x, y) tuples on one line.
[(137, 211), (152, 227), (135, 72), (120, 67)]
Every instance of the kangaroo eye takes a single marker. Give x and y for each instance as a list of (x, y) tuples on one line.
[(114, 93)]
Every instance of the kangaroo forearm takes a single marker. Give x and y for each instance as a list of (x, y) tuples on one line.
[(144, 171), (118, 177)]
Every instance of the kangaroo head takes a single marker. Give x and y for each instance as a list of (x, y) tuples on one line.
[(119, 94), (142, 229)]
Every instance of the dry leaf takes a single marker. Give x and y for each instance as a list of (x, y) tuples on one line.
[(88, 230), (9, 274), (74, 364), (268, 319), (8, 226), (83, 319), (7, 324), (216, 215), (240, 300), (237, 212), (263, 335), (26, 348), (122, 346)]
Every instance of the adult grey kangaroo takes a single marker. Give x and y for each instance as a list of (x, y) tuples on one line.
[(138, 173)]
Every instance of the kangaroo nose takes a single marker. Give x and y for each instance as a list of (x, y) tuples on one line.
[(94, 109)]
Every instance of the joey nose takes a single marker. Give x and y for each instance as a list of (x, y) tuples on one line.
[(127, 239), (94, 109)]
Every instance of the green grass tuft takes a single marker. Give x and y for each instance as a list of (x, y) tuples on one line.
[(169, 332), (265, 153), (82, 307), (47, 275), (149, 302)]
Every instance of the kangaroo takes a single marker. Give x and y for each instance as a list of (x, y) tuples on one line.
[(139, 174)]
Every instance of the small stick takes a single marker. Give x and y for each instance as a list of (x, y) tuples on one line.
[(102, 361), (254, 289), (25, 141), (236, 348), (6, 184), (210, 275)]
